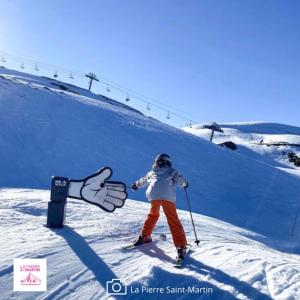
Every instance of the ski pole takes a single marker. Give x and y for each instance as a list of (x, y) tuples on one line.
[(188, 202)]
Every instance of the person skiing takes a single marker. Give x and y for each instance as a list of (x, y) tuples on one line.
[(162, 181)]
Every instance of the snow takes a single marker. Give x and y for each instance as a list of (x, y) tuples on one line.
[(255, 139), (246, 202), (85, 254)]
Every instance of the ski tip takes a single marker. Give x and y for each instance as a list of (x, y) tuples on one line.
[(128, 248)]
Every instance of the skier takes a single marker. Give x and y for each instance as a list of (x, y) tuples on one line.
[(162, 181)]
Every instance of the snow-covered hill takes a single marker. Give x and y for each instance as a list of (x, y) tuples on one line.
[(247, 206), (267, 142), (231, 263), (47, 130)]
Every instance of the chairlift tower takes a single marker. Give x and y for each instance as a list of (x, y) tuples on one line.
[(92, 77), (213, 127)]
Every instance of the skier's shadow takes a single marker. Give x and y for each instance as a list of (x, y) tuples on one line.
[(87, 255), (154, 251), (241, 287), (166, 280), (190, 263)]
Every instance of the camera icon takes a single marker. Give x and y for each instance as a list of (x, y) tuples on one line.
[(116, 287)]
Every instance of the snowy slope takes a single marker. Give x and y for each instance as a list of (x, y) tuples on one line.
[(47, 131), (257, 140), (247, 202), (86, 254)]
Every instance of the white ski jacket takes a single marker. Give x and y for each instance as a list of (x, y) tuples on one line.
[(162, 182)]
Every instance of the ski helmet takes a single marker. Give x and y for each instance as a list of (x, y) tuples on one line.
[(163, 159)]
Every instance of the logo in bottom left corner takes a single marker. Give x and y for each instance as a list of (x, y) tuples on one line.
[(30, 275)]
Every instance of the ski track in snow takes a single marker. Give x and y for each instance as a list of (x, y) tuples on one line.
[(87, 253)]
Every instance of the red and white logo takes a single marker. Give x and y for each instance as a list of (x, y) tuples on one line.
[(30, 275)]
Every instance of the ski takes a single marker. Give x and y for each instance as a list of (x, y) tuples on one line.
[(179, 262), (131, 246)]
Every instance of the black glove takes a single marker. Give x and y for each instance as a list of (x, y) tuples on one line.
[(186, 185), (134, 186)]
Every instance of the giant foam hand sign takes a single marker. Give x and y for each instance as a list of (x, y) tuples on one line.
[(97, 190)]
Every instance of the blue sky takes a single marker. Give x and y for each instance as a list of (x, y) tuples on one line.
[(219, 60)]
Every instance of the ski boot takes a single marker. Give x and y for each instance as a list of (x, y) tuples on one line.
[(142, 240), (181, 251)]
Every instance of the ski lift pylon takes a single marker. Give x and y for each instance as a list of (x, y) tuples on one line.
[(127, 98), (107, 88), (55, 75), (36, 67), (168, 116)]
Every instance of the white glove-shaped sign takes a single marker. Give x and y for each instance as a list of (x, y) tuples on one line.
[(97, 190)]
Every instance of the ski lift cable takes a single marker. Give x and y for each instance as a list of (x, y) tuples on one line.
[(139, 95), (39, 63), (176, 114), (161, 106), (154, 103)]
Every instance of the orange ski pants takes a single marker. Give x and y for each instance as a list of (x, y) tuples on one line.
[(175, 225)]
